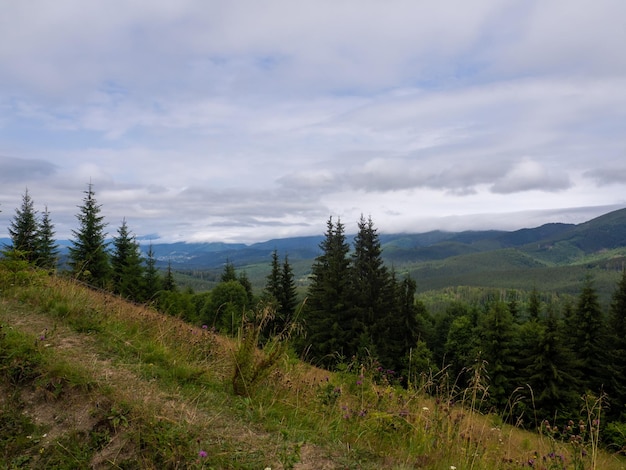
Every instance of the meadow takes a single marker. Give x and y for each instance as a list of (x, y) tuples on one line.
[(89, 380)]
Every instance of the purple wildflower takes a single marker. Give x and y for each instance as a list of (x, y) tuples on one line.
[(202, 454)]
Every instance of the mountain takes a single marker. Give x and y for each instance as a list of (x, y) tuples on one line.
[(553, 256)]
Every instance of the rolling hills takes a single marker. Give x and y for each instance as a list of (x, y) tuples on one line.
[(553, 257)]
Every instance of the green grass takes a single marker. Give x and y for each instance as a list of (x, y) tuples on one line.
[(115, 385)]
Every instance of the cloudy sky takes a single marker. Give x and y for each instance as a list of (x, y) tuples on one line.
[(246, 120)]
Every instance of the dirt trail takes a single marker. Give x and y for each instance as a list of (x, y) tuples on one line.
[(75, 411)]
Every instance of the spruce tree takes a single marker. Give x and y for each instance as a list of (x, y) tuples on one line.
[(23, 230), (247, 285), (616, 353), (89, 260), (126, 264), (288, 299), (328, 322), (280, 290), (152, 280), (229, 273), (169, 284), (47, 249), (461, 347), (372, 292), (272, 290), (497, 343), (587, 329), (549, 368), (272, 295), (441, 329), (534, 305), (399, 329)]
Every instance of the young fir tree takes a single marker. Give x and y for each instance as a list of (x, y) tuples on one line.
[(550, 369), (616, 353), (247, 285), (47, 249), (169, 284), (372, 292), (289, 296), (272, 294), (151, 279), (399, 330), (327, 318), (587, 329), (23, 230), (441, 329), (229, 273), (461, 347), (89, 260), (534, 305), (513, 304), (280, 290), (126, 264), (497, 343), (272, 290)]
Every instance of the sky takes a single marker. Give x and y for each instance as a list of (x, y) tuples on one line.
[(248, 120)]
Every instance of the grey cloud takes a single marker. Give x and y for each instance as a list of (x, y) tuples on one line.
[(21, 169), (312, 180), (528, 175), (458, 178), (607, 175)]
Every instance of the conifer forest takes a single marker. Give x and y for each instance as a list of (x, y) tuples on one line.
[(535, 353)]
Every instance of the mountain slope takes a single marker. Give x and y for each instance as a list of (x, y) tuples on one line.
[(90, 381)]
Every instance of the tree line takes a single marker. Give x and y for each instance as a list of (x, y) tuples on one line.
[(357, 310), (535, 360), (120, 267)]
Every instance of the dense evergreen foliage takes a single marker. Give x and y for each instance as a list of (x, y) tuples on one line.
[(538, 353), (329, 324), (356, 309), (32, 239), (127, 271), (47, 249), (280, 291), (89, 260), (24, 230)]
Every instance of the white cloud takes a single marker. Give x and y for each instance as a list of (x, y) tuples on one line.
[(219, 118), (529, 175)]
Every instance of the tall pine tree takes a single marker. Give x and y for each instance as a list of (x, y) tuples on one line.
[(497, 343), (89, 260), (616, 351), (23, 230), (47, 249), (272, 281), (587, 329), (280, 290), (549, 368), (289, 296), (126, 264), (328, 322), (152, 280), (372, 292), (398, 330)]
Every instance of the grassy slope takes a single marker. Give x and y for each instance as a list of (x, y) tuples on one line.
[(90, 380)]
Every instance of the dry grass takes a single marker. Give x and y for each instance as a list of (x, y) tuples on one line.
[(159, 390)]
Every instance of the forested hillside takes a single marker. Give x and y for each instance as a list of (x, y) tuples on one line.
[(520, 310)]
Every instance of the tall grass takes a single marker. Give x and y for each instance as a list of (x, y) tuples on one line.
[(164, 394)]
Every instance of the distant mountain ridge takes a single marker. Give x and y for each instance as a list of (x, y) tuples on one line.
[(554, 255), (602, 233)]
